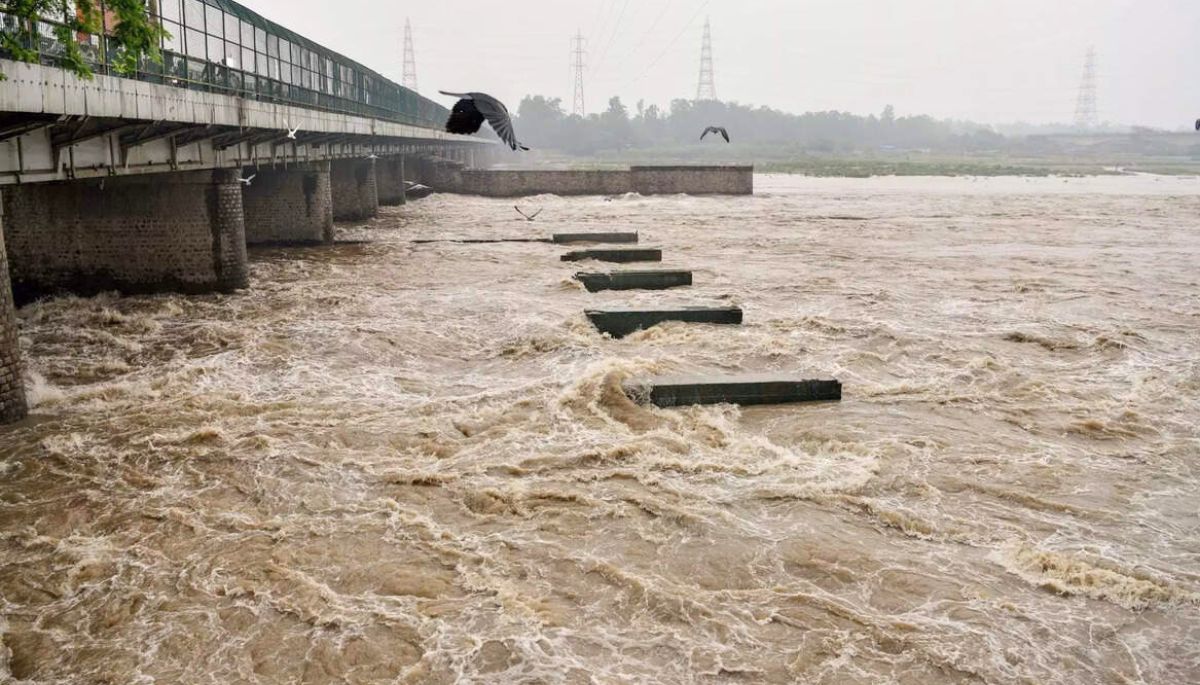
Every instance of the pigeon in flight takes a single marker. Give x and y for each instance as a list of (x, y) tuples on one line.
[(715, 129), (470, 111), (246, 181), (292, 132)]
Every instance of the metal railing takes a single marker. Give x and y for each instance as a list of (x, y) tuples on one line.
[(306, 75)]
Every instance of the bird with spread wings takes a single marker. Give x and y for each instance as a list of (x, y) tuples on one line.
[(715, 129), (472, 109)]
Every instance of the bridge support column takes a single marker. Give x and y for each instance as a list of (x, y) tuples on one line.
[(179, 232), (355, 193), (291, 206), (389, 179), (12, 388)]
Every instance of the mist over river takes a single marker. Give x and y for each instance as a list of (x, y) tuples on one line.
[(390, 462)]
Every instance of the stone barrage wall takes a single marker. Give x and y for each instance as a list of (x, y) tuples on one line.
[(693, 180), (646, 180), (12, 386), (518, 183), (389, 180), (179, 231), (354, 190), (289, 206)]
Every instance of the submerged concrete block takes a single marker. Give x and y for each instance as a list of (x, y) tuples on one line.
[(621, 255), (677, 391), (567, 238), (634, 280), (621, 322)]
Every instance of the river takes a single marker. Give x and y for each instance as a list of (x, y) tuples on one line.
[(394, 462)]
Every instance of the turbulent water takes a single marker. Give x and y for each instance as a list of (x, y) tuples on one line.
[(391, 462)]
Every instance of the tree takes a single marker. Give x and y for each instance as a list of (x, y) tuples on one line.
[(136, 33)]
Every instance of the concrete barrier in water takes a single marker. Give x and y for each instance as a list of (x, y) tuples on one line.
[(750, 389), (634, 280), (567, 238), (644, 180), (620, 255), (621, 322)]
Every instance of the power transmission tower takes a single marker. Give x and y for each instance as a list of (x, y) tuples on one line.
[(410, 60), (577, 67), (706, 89), (1086, 116)]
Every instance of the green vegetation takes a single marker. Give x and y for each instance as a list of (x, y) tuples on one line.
[(838, 143), (132, 32)]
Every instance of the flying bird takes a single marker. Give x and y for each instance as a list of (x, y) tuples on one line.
[(471, 110), (1198, 124), (292, 132), (715, 129), (246, 181), (528, 217)]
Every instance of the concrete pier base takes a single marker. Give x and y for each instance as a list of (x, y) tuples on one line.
[(12, 388), (624, 255), (289, 206), (354, 189), (389, 180), (634, 280), (158, 232), (621, 322), (567, 238), (746, 390)]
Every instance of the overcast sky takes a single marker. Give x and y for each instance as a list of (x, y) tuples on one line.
[(992, 61)]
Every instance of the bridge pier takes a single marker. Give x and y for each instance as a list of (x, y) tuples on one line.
[(12, 388), (354, 188), (291, 206), (389, 180), (179, 232)]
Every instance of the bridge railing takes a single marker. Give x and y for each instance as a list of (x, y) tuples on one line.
[(221, 46)]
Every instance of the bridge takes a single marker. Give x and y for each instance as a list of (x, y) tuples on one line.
[(133, 182)]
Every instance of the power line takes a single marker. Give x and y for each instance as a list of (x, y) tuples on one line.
[(642, 40), (611, 37), (669, 45)]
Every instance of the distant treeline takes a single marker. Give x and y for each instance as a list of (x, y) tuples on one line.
[(542, 123)]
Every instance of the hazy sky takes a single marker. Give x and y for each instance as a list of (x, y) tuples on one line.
[(991, 61)]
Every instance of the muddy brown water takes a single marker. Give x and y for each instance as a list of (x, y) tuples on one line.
[(411, 463)]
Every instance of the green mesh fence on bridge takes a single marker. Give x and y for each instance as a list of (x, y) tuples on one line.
[(221, 46)]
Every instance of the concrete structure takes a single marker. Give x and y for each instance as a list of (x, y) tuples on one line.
[(354, 189), (181, 232), (693, 180), (746, 389), (389, 180), (12, 388), (568, 238), (621, 255), (621, 322), (132, 183), (291, 206), (646, 180), (55, 126), (634, 280)]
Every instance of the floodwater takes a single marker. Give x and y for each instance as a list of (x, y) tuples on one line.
[(411, 463)]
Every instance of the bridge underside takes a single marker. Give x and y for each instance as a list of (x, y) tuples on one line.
[(140, 187), (55, 126)]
